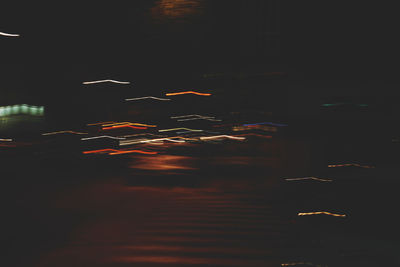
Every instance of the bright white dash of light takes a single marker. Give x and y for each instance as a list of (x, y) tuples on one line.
[(105, 81), (9, 34)]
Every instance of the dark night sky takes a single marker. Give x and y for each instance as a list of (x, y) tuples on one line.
[(73, 42)]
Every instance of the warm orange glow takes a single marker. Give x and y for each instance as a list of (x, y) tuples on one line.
[(124, 126), (320, 212), (188, 92)]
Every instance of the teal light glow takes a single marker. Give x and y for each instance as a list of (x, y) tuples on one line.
[(21, 109)]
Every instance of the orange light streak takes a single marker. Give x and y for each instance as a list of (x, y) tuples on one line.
[(188, 92), (124, 126), (111, 151), (98, 151), (133, 151), (128, 123), (320, 212)]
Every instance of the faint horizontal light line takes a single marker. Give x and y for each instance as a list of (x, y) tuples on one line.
[(268, 123), (320, 212), (222, 136), (300, 263), (133, 151), (176, 129), (105, 81), (350, 164), (60, 132), (308, 178), (103, 136), (5, 140), (99, 123), (147, 97), (9, 34), (188, 92)]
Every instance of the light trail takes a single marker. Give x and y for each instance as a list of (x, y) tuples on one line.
[(124, 126), (111, 151), (268, 123), (100, 123), (188, 92), (320, 212), (9, 34), (128, 123), (221, 136), (194, 117), (103, 136), (350, 164), (99, 151), (309, 178), (61, 132), (301, 263), (147, 97), (176, 129), (106, 81), (144, 141), (133, 151), (5, 140), (257, 135)]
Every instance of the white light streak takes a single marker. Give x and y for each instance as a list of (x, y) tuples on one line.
[(103, 136), (147, 97), (5, 140), (222, 136), (105, 81), (9, 34), (144, 141)]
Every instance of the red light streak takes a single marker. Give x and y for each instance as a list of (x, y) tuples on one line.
[(111, 151)]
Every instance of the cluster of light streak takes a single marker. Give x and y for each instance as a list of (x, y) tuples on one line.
[(101, 137), (321, 213)]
